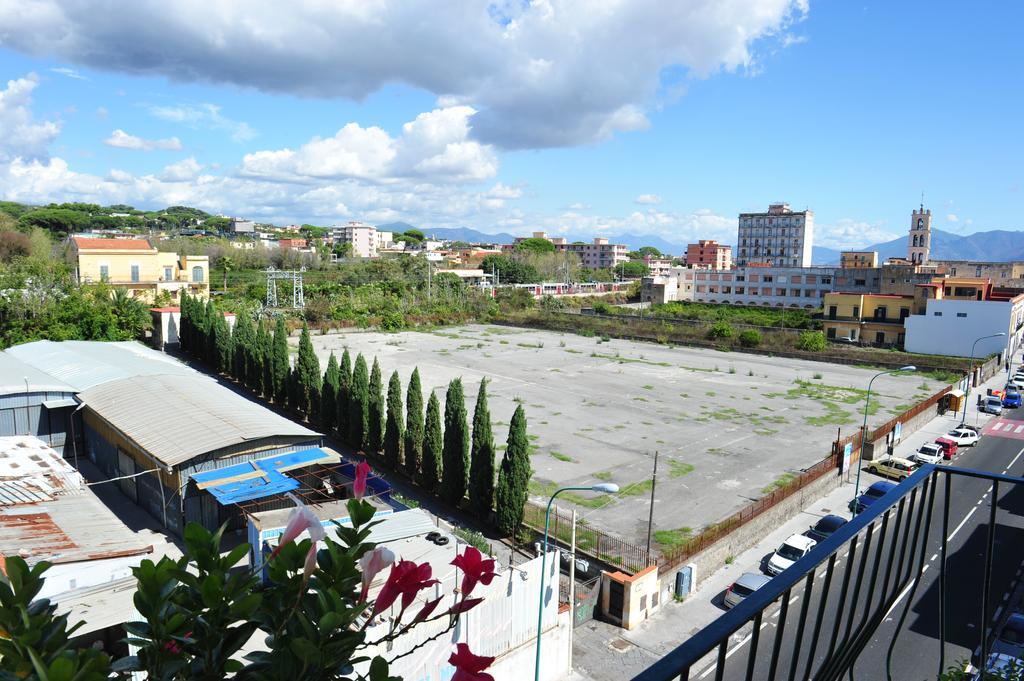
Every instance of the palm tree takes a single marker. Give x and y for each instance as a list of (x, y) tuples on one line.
[(227, 264)]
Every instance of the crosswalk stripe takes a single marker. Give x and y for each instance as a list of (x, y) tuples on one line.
[(1018, 429)]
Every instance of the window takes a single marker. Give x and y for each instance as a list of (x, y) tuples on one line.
[(168, 273), (795, 279), (824, 280), (104, 272), (780, 291), (811, 279), (880, 337), (831, 332), (937, 314), (767, 278), (856, 311), (860, 282), (961, 314), (197, 274), (135, 273), (832, 309)]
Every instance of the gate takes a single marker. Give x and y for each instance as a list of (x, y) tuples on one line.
[(587, 596)]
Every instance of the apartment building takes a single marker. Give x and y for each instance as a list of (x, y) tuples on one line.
[(951, 327), (658, 266), (363, 238), (780, 237), (709, 253), (848, 259), (137, 267), (872, 318), (803, 287), (996, 271), (240, 226), (599, 254)]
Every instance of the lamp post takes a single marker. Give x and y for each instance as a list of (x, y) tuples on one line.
[(607, 488), (864, 430), (970, 376)]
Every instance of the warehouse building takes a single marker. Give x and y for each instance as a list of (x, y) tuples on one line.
[(33, 402), (155, 424)]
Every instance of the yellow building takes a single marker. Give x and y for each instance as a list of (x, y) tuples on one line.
[(139, 268), (848, 259), (867, 318)]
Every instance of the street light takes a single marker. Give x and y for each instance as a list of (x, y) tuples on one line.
[(606, 488), (864, 430), (970, 376)]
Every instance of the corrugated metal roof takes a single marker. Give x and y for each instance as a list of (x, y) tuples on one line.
[(179, 417), (14, 371), (84, 364), (31, 471)]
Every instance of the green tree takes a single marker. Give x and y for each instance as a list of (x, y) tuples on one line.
[(649, 250), (510, 271), (433, 446), (481, 458), (222, 334), (721, 330), (632, 269), (413, 425), (227, 264), (535, 245), (267, 357), (455, 457), (307, 367), (329, 396), (244, 341), (750, 338), (359, 406), (513, 476), (394, 430), (375, 435), (209, 339), (344, 394), (280, 364), (261, 349)]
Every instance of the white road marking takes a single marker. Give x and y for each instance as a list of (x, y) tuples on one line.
[(962, 523)]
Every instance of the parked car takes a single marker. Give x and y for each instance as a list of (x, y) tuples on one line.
[(992, 404), (1011, 639), (791, 550), (870, 496), (825, 528), (928, 453), (892, 467), (999, 666), (1011, 399), (748, 583), (1015, 384), (949, 448), (963, 437)]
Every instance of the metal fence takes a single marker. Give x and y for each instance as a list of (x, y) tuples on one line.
[(588, 594), (851, 584)]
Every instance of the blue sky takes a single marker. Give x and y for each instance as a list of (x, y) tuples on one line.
[(580, 118)]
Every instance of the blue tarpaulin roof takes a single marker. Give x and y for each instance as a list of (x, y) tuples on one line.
[(256, 479)]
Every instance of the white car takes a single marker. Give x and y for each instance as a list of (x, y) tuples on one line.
[(792, 550), (928, 453), (1015, 383), (963, 437)]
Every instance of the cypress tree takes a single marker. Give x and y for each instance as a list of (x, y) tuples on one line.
[(344, 393), (281, 366), (394, 431), (329, 396), (209, 337), (243, 341), (292, 389), (513, 476), (183, 323), (433, 445), (481, 466), (375, 436), (413, 426), (262, 347), (455, 456), (307, 368), (359, 406), (222, 339)]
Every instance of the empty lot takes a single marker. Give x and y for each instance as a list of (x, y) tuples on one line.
[(728, 426)]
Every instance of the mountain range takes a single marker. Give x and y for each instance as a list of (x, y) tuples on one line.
[(996, 245)]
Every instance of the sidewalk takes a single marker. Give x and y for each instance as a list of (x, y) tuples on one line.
[(603, 652)]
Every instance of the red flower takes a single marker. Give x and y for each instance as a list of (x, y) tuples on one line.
[(474, 569), (406, 580), (469, 667), (359, 484), (427, 609), (464, 605)]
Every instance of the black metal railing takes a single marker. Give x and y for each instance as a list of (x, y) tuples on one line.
[(850, 585)]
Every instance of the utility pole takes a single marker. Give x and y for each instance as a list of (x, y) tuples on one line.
[(650, 517), (429, 270)]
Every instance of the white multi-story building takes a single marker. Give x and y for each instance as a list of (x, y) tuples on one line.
[(778, 238), (951, 327), (596, 255), (363, 238)]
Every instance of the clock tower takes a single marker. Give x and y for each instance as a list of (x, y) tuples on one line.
[(919, 242)]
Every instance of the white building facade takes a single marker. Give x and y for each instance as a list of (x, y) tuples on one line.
[(363, 238), (950, 327), (779, 237)]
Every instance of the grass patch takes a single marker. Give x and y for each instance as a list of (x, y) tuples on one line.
[(641, 399), (562, 457), (647, 387), (636, 489), (781, 482), (629, 360), (603, 475), (711, 393), (834, 416), (669, 539), (474, 538), (536, 346), (677, 469), (941, 375), (575, 352)]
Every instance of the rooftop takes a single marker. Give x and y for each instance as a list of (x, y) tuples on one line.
[(14, 374), (90, 244), (30, 471)]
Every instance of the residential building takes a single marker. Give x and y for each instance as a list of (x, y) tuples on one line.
[(676, 285), (709, 253), (137, 267), (597, 255), (780, 237), (868, 318), (996, 271), (848, 259), (363, 238), (951, 327), (384, 240), (240, 226), (293, 244), (33, 402), (903, 278), (803, 287), (471, 277), (658, 266), (919, 242)]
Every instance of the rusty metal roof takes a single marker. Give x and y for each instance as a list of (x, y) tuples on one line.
[(30, 471)]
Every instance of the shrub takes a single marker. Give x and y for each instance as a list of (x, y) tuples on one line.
[(602, 307), (750, 338), (811, 341), (720, 330)]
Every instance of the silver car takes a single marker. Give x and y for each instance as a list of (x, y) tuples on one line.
[(748, 583)]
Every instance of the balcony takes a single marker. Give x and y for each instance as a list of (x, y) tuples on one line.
[(914, 585)]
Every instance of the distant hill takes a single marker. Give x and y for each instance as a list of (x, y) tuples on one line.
[(996, 245), (466, 234)]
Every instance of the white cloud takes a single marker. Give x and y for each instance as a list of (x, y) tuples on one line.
[(102, 113), (542, 73), (648, 199), (182, 171), (503, 191), (952, 218), (207, 116), (122, 140), (68, 72), (20, 134), (850, 233)]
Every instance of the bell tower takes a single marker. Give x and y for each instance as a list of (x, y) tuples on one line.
[(919, 242)]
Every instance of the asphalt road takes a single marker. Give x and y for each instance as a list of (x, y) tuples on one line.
[(917, 654)]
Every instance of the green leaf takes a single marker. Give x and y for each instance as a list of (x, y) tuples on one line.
[(62, 669), (304, 649), (211, 591), (236, 555), (379, 669)]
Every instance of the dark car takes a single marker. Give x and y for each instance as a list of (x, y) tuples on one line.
[(1011, 639), (871, 495), (824, 528), (1011, 399)]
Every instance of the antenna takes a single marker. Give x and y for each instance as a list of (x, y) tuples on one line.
[(922, 202)]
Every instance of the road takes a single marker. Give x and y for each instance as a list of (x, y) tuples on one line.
[(917, 654)]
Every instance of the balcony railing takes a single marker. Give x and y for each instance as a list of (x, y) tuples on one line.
[(855, 590)]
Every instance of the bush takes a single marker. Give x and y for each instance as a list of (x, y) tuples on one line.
[(720, 330), (602, 307), (811, 341), (750, 338)]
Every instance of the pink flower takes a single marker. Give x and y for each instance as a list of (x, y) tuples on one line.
[(303, 520), (371, 564), (359, 484), (406, 579), (469, 667), (464, 605), (427, 609), (474, 569)]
